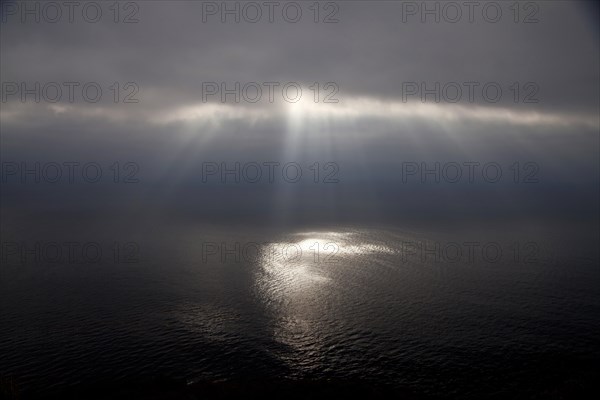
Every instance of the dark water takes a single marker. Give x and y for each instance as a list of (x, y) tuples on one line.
[(372, 307)]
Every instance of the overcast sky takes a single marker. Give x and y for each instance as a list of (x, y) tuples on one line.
[(371, 56)]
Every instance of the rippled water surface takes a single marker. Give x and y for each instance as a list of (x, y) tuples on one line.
[(347, 303)]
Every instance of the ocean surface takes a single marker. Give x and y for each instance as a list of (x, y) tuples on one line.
[(452, 313)]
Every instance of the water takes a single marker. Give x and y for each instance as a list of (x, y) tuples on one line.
[(347, 303)]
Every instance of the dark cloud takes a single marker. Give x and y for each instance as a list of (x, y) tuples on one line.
[(169, 133), (369, 52)]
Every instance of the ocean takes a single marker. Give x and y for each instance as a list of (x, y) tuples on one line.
[(459, 313)]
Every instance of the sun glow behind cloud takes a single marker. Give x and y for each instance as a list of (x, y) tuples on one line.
[(351, 109), (354, 109)]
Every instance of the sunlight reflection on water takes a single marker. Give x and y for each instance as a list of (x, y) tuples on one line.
[(297, 281)]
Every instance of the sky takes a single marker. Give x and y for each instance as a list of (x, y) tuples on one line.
[(373, 127)]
